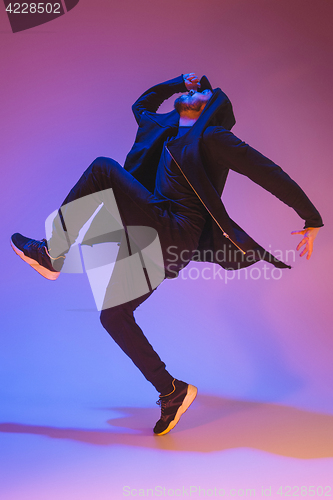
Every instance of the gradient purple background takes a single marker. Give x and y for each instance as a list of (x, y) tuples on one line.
[(66, 93)]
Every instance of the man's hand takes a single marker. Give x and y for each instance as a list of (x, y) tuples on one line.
[(191, 81), (309, 234)]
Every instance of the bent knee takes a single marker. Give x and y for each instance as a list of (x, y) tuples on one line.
[(102, 166), (104, 162)]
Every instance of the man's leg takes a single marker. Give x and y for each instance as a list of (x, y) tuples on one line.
[(120, 323), (137, 207), (92, 189), (175, 396)]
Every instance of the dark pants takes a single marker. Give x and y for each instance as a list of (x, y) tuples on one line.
[(137, 207)]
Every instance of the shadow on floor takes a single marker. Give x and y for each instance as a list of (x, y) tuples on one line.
[(211, 424)]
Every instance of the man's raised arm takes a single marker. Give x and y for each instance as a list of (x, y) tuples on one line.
[(153, 97)]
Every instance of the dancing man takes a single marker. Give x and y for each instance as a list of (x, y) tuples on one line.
[(172, 183)]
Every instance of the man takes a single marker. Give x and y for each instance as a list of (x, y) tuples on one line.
[(172, 181)]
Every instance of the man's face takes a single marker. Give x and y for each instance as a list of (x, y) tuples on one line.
[(192, 101)]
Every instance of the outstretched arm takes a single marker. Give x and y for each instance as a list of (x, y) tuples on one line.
[(229, 152)]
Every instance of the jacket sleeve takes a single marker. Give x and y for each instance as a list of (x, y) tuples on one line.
[(153, 97), (227, 151)]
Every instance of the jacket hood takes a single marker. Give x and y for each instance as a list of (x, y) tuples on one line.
[(205, 84)]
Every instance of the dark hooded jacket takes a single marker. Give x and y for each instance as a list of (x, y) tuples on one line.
[(204, 155)]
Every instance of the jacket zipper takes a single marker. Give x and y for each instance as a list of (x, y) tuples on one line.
[(212, 216)]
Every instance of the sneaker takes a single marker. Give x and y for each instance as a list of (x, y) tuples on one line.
[(173, 405), (36, 254)]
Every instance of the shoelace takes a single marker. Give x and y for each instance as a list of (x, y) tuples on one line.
[(163, 399), (162, 403), (36, 244)]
